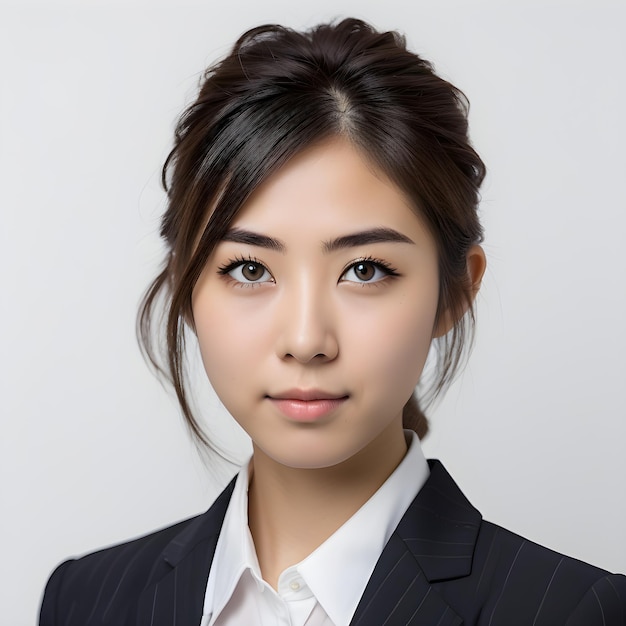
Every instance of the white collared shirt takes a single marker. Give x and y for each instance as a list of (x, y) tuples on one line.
[(323, 589)]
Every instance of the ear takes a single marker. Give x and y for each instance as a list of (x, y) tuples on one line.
[(476, 262)]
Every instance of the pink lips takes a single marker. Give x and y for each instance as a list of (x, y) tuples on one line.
[(306, 406)]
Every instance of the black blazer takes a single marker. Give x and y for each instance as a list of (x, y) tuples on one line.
[(442, 566)]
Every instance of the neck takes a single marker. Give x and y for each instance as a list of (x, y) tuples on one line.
[(291, 511)]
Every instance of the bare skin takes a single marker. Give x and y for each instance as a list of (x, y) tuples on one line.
[(292, 510), (315, 316)]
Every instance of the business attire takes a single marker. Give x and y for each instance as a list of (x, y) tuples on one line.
[(324, 588), (443, 565)]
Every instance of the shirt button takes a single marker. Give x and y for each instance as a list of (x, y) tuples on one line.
[(295, 585)]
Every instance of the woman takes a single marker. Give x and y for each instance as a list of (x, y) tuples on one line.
[(322, 233)]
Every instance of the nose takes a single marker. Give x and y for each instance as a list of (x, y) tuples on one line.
[(307, 325)]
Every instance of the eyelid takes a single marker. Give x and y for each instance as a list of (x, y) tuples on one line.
[(384, 266), (225, 269), (381, 265)]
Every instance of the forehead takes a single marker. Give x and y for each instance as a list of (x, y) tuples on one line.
[(330, 186)]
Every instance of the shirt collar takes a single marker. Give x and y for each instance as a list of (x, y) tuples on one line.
[(234, 553), (337, 572)]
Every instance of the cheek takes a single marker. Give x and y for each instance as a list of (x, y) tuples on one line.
[(232, 345), (393, 346), (211, 322), (406, 346)]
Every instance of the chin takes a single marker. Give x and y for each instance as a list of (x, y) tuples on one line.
[(309, 457)]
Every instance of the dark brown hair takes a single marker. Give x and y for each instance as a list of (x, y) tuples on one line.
[(278, 92)]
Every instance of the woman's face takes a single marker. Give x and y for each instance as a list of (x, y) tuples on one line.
[(316, 312)]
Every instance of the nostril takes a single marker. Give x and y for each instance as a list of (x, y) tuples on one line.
[(306, 342)]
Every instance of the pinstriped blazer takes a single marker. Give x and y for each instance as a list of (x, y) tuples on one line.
[(442, 566)]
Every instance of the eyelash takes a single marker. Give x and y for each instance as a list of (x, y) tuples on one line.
[(231, 264), (225, 269), (384, 266)]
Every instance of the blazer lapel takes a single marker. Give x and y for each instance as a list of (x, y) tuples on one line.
[(174, 595), (399, 593), (433, 542)]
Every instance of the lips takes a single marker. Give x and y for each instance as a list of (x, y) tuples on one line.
[(307, 405), (306, 395)]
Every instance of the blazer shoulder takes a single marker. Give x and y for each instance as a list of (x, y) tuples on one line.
[(516, 576), (109, 581), (97, 575), (604, 603), (489, 575)]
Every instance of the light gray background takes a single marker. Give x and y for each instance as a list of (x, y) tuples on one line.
[(93, 450)]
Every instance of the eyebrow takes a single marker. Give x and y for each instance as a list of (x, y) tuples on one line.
[(239, 235), (364, 237)]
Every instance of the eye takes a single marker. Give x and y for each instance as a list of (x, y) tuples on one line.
[(368, 271), (247, 272)]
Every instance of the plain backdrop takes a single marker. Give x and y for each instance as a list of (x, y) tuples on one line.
[(93, 450)]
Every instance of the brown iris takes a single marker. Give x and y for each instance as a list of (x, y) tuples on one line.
[(252, 271), (365, 271)]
